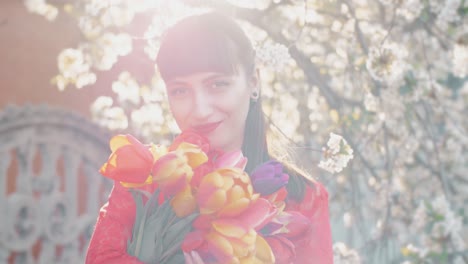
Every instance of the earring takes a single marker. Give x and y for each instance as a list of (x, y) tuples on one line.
[(254, 96)]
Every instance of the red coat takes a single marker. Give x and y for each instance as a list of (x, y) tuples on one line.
[(114, 226)]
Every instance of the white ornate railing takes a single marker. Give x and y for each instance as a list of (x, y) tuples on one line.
[(50, 188)]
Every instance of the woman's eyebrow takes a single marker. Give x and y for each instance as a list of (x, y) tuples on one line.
[(215, 76), (174, 82), (208, 78)]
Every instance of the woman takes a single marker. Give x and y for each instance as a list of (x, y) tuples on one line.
[(207, 64)]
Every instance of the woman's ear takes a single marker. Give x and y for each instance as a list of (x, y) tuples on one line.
[(255, 86), (254, 81)]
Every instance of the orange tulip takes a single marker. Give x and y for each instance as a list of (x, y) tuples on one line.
[(184, 202), (262, 253), (227, 192), (174, 171), (194, 154), (129, 162), (211, 247), (191, 137)]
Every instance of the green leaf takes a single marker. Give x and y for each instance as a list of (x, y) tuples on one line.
[(131, 247), (157, 233), (175, 258), (176, 233)]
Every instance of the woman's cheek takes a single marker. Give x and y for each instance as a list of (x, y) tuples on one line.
[(181, 113)]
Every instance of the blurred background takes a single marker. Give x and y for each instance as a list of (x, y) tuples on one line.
[(370, 96)]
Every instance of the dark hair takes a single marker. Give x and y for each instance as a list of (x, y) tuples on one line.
[(214, 42), (204, 42)]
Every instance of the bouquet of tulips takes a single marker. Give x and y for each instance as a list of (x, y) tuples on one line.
[(203, 207)]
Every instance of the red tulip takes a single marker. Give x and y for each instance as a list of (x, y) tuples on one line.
[(191, 137), (193, 240), (259, 213), (296, 223), (130, 161), (283, 249)]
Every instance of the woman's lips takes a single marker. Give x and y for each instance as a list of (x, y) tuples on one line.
[(206, 128)]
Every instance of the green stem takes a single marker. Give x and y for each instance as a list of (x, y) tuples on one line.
[(140, 232), (170, 252)]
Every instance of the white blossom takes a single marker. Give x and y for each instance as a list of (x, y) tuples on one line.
[(73, 69), (85, 79), (343, 255), (108, 47), (106, 115), (337, 155), (449, 12), (409, 9), (41, 7), (117, 16), (90, 27), (460, 56), (127, 89), (420, 217), (273, 55), (371, 103), (386, 63), (149, 119), (71, 63)]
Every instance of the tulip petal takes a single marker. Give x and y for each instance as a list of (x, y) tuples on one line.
[(258, 214), (157, 151), (214, 179), (192, 137), (268, 177), (219, 245), (229, 227), (213, 202), (234, 208), (241, 248), (297, 224), (194, 154), (119, 141), (263, 250), (125, 165), (283, 249), (165, 166), (173, 185), (236, 193), (184, 203), (193, 240), (148, 181), (202, 222)]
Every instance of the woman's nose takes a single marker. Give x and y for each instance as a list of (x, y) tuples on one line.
[(202, 106)]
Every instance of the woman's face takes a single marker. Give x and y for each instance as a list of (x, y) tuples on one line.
[(213, 104)]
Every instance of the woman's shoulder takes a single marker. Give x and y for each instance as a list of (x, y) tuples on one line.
[(305, 193), (314, 201)]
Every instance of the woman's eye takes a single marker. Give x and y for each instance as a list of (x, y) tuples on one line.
[(178, 91), (220, 84)]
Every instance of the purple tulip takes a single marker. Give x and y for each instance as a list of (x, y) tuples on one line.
[(268, 177)]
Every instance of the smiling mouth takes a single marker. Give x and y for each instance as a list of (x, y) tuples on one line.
[(206, 128)]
